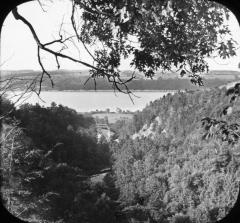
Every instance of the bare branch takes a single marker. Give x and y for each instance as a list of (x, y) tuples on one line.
[(43, 47), (54, 41), (17, 16), (58, 65), (19, 97), (76, 33), (43, 71), (110, 77), (41, 5), (87, 80)]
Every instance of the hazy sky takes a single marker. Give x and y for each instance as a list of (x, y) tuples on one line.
[(19, 51)]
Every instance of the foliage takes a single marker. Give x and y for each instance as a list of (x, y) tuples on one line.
[(227, 132), (168, 173), (164, 170), (173, 170), (47, 165), (155, 35)]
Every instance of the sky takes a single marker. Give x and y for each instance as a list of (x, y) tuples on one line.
[(19, 51)]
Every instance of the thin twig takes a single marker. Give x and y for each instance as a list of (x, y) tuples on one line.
[(76, 33), (110, 77)]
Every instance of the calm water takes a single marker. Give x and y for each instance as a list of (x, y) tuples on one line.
[(83, 101)]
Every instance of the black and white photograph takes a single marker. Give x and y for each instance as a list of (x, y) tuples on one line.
[(120, 111)]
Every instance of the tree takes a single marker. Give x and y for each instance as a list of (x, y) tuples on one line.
[(153, 35), (9, 86), (167, 36), (46, 167), (176, 173)]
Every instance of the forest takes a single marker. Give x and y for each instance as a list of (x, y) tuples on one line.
[(168, 167), (48, 157), (162, 166), (176, 161)]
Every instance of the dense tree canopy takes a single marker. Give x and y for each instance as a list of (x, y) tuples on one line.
[(152, 35), (49, 156), (168, 33), (166, 167)]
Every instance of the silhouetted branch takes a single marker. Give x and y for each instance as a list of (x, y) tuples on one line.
[(43, 72), (110, 77)]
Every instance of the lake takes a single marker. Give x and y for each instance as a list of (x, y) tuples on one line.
[(85, 101)]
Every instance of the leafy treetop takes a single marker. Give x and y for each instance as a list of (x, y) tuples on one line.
[(155, 34), (152, 35)]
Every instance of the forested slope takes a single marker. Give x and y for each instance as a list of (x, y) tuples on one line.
[(166, 166), (49, 155)]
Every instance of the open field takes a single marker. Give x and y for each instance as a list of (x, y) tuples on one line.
[(113, 117), (74, 80)]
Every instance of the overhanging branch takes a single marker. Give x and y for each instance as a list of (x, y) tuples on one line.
[(44, 47), (116, 84)]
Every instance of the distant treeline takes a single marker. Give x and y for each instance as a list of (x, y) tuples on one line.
[(78, 83), (76, 80)]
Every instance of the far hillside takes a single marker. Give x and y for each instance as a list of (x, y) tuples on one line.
[(76, 80)]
